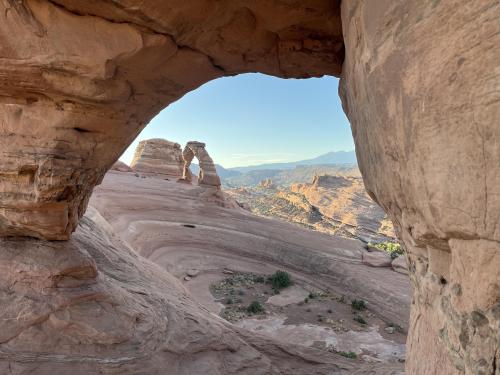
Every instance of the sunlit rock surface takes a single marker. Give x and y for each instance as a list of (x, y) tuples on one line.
[(420, 86), (207, 175), (80, 79), (158, 157), (121, 167)]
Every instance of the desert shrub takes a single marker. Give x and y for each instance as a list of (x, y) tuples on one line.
[(393, 248), (360, 319), (280, 280), (351, 355), (255, 308), (396, 327), (358, 304), (241, 292), (259, 279), (229, 301)]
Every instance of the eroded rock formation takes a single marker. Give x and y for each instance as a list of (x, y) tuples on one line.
[(158, 157), (91, 75), (207, 175), (121, 167), (267, 184), (419, 88), (343, 199), (80, 79)]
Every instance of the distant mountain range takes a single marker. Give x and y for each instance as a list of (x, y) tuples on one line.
[(221, 171), (334, 157), (254, 173)]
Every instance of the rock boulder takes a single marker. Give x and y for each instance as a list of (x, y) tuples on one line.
[(158, 157)]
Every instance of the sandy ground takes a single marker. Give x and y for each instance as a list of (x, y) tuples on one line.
[(183, 228)]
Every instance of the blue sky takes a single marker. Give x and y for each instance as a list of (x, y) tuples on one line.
[(254, 119)]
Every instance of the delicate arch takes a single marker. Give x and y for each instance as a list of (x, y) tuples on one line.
[(208, 173)]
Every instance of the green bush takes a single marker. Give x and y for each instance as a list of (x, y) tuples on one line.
[(349, 354), (358, 304), (359, 319), (255, 308), (280, 280), (259, 279), (393, 248)]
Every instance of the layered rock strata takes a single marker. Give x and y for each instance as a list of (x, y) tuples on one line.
[(107, 310), (80, 79), (421, 88), (158, 157), (344, 200), (207, 175), (121, 167)]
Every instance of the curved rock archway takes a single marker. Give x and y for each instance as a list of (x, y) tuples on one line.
[(208, 174), (419, 84)]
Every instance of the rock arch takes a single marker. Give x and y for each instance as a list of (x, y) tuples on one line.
[(208, 174), (419, 84)]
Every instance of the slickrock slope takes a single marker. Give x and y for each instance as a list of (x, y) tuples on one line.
[(107, 310), (158, 157), (121, 167), (419, 83), (170, 225)]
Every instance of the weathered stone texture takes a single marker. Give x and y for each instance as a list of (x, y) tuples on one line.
[(420, 84), (158, 157), (421, 87), (80, 79), (208, 174)]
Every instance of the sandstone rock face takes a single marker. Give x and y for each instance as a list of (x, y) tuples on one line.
[(420, 86), (121, 167), (158, 157), (106, 310), (92, 74), (208, 174), (377, 258), (80, 79), (400, 265), (92, 305)]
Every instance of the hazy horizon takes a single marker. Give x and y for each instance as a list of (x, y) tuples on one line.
[(255, 119)]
